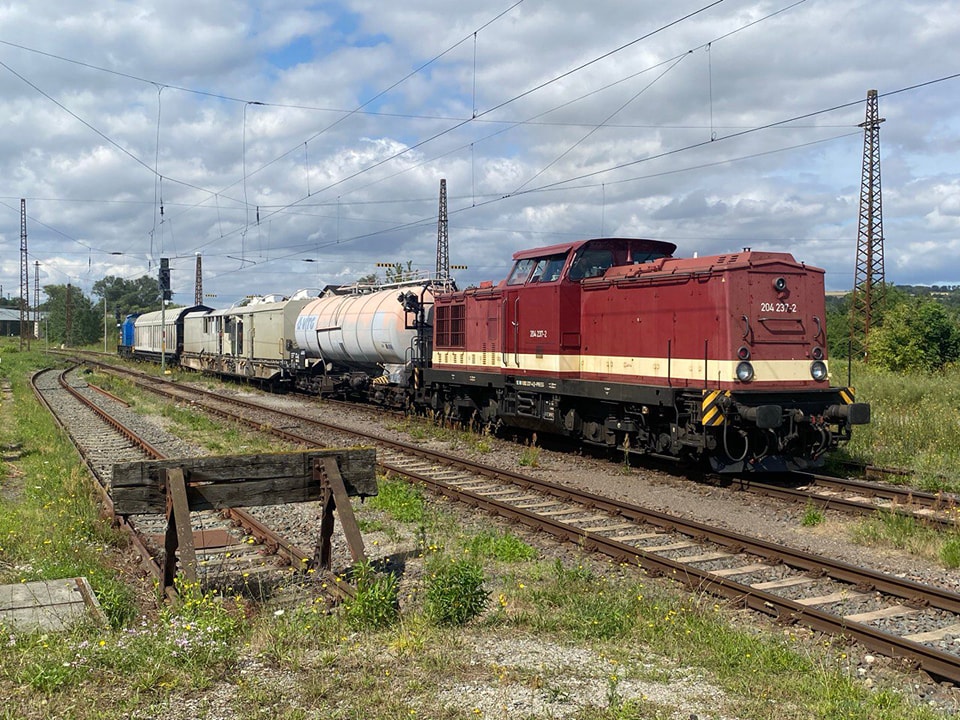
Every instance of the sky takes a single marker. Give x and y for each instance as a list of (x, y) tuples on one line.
[(292, 144)]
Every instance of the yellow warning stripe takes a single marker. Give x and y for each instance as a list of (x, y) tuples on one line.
[(847, 395), (712, 415)]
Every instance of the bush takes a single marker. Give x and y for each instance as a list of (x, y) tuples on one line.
[(454, 593), (916, 336), (950, 553), (375, 604)]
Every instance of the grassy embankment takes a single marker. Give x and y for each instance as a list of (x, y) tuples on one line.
[(574, 639), (915, 424)]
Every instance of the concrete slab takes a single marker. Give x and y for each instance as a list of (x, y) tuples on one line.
[(50, 605)]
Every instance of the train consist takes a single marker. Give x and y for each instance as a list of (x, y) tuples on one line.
[(611, 341)]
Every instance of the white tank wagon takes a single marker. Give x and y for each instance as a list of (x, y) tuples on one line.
[(370, 332)]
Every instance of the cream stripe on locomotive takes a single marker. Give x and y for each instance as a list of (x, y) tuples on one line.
[(626, 367)]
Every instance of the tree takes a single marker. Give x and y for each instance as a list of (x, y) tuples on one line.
[(86, 319), (838, 319), (397, 273), (916, 335), (129, 296)]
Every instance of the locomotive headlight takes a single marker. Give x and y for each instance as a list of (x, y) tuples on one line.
[(744, 372), (818, 370)]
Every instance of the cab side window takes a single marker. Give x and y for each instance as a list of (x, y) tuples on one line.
[(590, 263), (548, 269)]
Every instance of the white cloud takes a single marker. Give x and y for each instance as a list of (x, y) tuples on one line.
[(326, 184)]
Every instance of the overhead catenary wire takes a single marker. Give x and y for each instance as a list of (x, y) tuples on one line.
[(564, 184)]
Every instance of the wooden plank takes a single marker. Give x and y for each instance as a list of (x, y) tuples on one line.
[(832, 598), (742, 570), (240, 480), (786, 582), (610, 528), (638, 536), (892, 611), (934, 635)]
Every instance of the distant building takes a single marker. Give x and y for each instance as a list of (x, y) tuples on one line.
[(10, 322)]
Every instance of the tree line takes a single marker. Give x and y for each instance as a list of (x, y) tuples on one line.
[(73, 318), (916, 329)]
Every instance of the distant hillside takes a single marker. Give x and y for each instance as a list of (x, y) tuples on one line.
[(948, 295)]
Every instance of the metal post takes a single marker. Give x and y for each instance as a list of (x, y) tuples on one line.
[(163, 336), (104, 325)]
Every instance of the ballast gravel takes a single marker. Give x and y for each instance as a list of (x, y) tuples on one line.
[(577, 675)]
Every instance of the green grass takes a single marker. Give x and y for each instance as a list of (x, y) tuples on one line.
[(887, 529), (812, 516), (550, 629), (400, 500), (499, 545), (914, 424)]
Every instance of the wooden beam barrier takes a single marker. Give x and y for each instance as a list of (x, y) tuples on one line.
[(178, 486)]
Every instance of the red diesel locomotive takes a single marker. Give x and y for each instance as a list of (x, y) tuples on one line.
[(617, 343)]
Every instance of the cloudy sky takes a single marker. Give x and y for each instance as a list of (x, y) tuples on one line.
[(294, 144)]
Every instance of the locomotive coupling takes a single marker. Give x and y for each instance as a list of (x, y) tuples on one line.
[(763, 416), (854, 413)]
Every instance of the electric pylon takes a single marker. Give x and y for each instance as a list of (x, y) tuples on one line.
[(198, 292), (443, 237), (869, 287), (24, 278)]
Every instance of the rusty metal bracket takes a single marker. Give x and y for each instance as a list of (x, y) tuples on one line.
[(326, 472), (179, 535)]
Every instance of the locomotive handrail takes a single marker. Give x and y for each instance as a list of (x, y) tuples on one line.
[(819, 327), (516, 331), (503, 334), (746, 327), (784, 329)]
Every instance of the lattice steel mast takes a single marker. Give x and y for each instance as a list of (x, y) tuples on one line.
[(36, 297), (869, 287), (198, 292), (443, 237), (24, 278)]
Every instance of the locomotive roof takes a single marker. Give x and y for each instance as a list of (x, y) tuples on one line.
[(665, 247)]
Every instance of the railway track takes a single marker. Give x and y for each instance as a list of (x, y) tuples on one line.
[(894, 616), (940, 510), (235, 550)]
